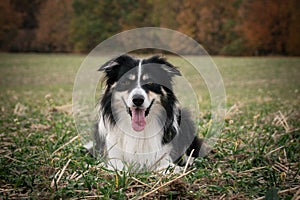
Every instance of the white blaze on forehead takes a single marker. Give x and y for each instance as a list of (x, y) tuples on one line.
[(139, 73)]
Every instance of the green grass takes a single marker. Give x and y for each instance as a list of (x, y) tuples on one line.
[(257, 152)]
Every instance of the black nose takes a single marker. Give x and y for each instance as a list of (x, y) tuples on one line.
[(138, 100)]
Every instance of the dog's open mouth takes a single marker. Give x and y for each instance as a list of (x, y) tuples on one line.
[(138, 119), (138, 116)]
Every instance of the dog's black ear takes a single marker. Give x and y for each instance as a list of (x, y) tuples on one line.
[(171, 69), (115, 62), (108, 65)]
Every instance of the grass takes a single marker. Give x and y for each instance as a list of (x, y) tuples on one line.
[(256, 155)]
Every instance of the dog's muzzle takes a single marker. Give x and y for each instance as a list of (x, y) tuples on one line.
[(138, 100), (138, 114)]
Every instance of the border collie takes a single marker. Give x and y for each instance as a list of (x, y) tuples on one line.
[(140, 123)]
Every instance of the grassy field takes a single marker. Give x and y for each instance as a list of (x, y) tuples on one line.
[(256, 155)]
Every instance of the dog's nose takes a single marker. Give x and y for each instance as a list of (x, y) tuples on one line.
[(138, 100)]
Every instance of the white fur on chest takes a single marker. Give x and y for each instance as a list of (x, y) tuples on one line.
[(140, 149)]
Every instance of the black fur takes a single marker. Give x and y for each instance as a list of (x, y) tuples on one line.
[(183, 141)]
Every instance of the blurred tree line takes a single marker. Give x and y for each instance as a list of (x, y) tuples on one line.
[(231, 27)]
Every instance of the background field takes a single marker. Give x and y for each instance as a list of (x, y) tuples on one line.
[(256, 155)]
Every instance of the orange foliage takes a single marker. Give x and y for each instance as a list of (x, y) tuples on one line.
[(54, 22), (267, 25), (10, 20), (232, 27), (209, 22)]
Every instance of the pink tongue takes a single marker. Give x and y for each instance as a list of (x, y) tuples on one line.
[(138, 122)]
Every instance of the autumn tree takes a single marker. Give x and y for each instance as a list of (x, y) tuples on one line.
[(136, 13), (270, 26), (233, 27), (10, 20), (212, 23), (53, 32), (25, 37), (93, 22), (164, 13), (293, 39)]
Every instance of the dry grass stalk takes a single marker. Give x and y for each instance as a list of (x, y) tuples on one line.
[(78, 177), (165, 184), (280, 119), (231, 111), (281, 166), (188, 161), (63, 171), (60, 174), (274, 150), (285, 156), (252, 170), (20, 109), (53, 180), (296, 195), (159, 181), (60, 148), (141, 182), (73, 175), (222, 197), (13, 159), (64, 108), (88, 197), (281, 192)]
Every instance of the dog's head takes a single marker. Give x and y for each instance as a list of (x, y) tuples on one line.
[(139, 86)]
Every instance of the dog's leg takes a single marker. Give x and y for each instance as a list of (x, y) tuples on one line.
[(96, 147), (186, 143), (199, 147)]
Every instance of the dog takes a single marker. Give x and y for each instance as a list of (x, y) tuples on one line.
[(140, 122)]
